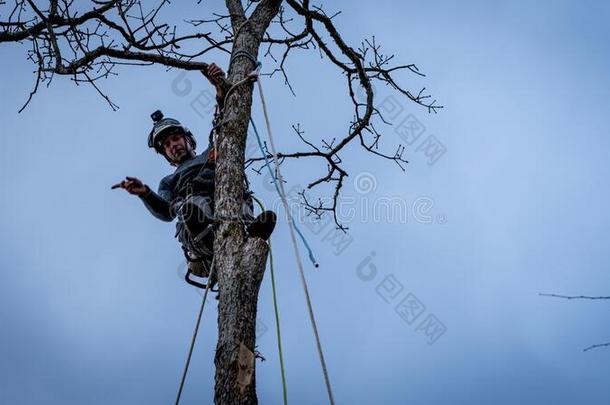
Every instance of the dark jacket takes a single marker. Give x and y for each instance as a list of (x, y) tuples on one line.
[(195, 175)]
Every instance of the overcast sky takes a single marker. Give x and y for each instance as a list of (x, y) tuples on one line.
[(92, 306)]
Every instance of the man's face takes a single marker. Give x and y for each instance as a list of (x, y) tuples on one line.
[(175, 148)]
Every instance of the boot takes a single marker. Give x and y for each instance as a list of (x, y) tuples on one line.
[(263, 225)]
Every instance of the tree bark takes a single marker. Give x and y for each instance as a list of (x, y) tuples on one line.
[(240, 260), (235, 359)]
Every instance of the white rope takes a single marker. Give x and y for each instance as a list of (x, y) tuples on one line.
[(188, 359), (295, 245)]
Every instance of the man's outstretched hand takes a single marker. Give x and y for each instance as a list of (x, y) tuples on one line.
[(133, 186)]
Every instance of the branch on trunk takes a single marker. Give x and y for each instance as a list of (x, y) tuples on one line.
[(90, 46)]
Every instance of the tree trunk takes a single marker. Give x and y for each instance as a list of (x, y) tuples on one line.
[(240, 260)]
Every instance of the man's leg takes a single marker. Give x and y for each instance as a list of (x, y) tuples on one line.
[(197, 233), (262, 226), (197, 213)]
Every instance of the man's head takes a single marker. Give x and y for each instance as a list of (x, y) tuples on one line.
[(171, 139), (176, 148)]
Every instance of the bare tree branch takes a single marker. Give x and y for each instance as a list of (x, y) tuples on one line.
[(576, 297), (597, 346), (92, 44), (581, 297)]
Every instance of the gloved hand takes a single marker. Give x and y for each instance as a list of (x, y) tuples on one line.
[(216, 76)]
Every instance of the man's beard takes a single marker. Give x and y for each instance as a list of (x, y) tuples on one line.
[(181, 156)]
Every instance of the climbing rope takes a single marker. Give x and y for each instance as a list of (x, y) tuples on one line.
[(312, 258), (190, 354), (277, 314), (292, 228), (254, 76)]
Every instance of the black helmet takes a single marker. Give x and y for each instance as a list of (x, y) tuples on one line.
[(162, 128)]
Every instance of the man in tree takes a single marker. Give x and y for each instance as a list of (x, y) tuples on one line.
[(188, 193), (88, 44)]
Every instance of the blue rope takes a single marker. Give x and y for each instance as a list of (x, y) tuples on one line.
[(268, 165)]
